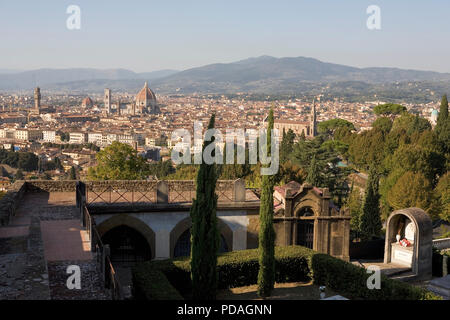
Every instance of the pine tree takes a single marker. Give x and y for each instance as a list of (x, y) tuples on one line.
[(204, 233), (370, 218), (313, 172), (266, 249)]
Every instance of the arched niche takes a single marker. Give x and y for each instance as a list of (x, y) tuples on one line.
[(418, 255), (184, 225), (131, 222), (306, 208)]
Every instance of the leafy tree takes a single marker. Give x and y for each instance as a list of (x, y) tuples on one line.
[(119, 161), (205, 235), (443, 197), (290, 172), (367, 149), (27, 161), (327, 156), (418, 124), (354, 204), (235, 170), (384, 124), (266, 274), (389, 109), (411, 190), (330, 126), (370, 219), (416, 158), (162, 169), (184, 172), (386, 184), (287, 143)]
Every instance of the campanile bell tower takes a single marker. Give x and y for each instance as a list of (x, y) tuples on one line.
[(37, 100)]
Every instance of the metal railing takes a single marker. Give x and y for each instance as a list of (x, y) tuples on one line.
[(102, 252), (137, 193)]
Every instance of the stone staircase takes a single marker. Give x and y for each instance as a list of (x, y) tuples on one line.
[(441, 286)]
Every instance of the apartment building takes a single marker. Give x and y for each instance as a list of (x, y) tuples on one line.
[(77, 137), (49, 136)]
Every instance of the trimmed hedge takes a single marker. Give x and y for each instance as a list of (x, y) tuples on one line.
[(170, 279), (351, 281)]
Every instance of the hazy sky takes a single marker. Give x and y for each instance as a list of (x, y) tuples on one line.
[(152, 35)]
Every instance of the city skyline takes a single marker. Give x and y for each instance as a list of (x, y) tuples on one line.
[(155, 36)]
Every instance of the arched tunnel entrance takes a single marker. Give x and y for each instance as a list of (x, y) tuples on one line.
[(183, 245), (127, 246)]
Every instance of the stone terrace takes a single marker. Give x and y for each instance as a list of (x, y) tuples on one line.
[(42, 238), (41, 232)]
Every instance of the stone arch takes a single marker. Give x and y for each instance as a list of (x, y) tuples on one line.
[(132, 222), (305, 204), (422, 250), (186, 223)]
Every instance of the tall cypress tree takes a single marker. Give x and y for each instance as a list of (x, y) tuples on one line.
[(313, 172), (73, 174), (442, 128), (204, 233), (370, 218), (443, 111), (266, 249)]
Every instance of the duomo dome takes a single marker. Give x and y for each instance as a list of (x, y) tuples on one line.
[(146, 99)]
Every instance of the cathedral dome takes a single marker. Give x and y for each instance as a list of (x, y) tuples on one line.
[(145, 97), (87, 102)]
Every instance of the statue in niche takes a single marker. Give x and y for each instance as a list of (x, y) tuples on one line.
[(400, 225)]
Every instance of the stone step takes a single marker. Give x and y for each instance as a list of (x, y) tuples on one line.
[(441, 286), (404, 276)]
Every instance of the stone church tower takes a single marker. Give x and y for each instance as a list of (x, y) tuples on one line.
[(107, 100), (37, 100)]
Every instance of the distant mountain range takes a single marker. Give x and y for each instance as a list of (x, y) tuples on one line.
[(80, 78), (263, 74)]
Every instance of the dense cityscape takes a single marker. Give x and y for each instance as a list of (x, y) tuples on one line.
[(41, 124), (209, 158)]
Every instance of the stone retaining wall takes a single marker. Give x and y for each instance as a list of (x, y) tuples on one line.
[(51, 186), (10, 201), (441, 244)]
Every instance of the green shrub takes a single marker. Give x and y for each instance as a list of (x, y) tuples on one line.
[(351, 281), (170, 279)]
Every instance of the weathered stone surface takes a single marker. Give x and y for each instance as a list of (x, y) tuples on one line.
[(91, 285), (441, 286), (10, 201)]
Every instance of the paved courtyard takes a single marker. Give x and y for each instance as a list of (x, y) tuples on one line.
[(42, 239)]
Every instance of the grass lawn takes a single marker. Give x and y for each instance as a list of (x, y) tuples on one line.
[(282, 291)]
